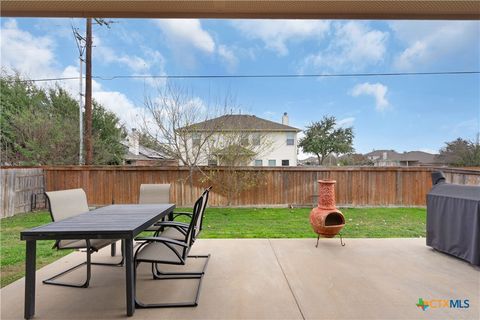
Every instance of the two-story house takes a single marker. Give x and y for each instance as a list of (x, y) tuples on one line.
[(279, 140)]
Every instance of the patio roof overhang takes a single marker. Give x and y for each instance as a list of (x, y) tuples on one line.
[(273, 9)]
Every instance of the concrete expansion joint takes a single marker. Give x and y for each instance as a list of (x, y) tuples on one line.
[(286, 279)]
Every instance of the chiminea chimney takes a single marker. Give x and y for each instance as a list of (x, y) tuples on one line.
[(285, 119), (134, 142)]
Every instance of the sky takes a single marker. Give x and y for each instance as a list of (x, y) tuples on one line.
[(403, 113)]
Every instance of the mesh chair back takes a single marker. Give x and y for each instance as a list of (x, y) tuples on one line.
[(154, 193), (199, 224), (190, 237), (67, 203)]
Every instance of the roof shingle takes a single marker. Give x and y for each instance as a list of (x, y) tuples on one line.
[(239, 122)]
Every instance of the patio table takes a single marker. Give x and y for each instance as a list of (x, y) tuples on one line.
[(123, 222)]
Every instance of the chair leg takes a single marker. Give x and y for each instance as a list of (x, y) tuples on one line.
[(159, 275), (88, 263), (171, 276), (115, 264), (63, 284)]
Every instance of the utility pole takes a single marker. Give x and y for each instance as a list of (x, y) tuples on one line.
[(88, 96), (88, 89)]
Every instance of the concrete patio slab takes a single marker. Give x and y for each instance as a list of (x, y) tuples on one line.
[(376, 279), (272, 279)]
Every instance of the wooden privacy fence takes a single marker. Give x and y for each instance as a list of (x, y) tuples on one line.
[(296, 186), (20, 188)]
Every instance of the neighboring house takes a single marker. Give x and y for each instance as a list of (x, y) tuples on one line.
[(138, 155), (391, 158), (330, 160), (280, 139)]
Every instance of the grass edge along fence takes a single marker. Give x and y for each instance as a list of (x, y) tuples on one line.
[(277, 187)]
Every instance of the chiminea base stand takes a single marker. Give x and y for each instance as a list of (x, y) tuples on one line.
[(341, 240)]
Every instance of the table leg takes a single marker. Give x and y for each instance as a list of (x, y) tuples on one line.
[(30, 279), (129, 277)]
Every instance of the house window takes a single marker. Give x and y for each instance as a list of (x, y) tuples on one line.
[(212, 162), (256, 139), (272, 163), (244, 140), (285, 163), (290, 138), (196, 137), (258, 163)]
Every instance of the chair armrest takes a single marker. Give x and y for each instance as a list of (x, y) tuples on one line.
[(180, 226), (171, 224), (162, 239), (178, 214)]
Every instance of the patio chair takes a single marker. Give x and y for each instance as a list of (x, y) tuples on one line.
[(177, 230), (161, 250), (154, 194), (65, 204)]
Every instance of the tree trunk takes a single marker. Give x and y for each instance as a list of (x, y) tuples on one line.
[(320, 160), (190, 181)]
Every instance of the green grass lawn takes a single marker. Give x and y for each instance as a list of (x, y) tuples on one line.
[(227, 223), (12, 249)]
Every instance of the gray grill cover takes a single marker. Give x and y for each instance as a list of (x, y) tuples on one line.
[(453, 220)]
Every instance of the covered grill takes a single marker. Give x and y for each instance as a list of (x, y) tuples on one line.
[(453, 219)]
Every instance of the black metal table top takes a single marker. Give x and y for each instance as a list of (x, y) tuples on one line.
[(110, 222)]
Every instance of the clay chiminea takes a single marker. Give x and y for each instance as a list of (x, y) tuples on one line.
[(326, 219)]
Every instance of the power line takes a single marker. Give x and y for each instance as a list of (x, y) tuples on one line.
[(240, 76)]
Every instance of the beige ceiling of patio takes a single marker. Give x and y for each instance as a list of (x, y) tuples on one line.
[(390, 9)]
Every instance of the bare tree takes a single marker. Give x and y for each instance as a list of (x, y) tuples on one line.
[(179, 122), (184, 128)]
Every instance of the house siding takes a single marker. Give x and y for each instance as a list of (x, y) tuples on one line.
[(278, 151)]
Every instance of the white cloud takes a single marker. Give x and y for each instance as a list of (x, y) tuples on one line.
[(430, 42), (183, 35), (377, 90), (277, 33), (113, 101), (187, 32), (228, 56), (345, 123), (119, 104), (153, 62), (354, 46), (32, 56), (134, 63), (417, 51)]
